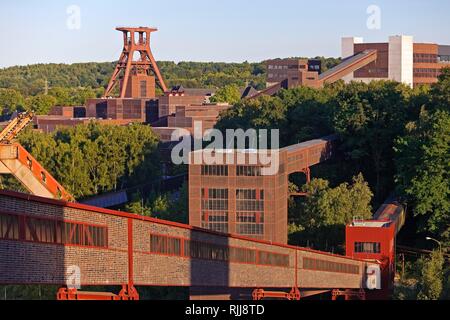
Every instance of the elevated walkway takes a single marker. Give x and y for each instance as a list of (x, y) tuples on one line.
[(348, 66)]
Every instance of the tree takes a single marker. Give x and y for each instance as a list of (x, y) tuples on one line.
[(430, 283), (93, 158), (10, 101), (324, 213), (327, 206), (423, 169), (41, 104), (228, 94), (369, 117), (138, 205), (440, 92)]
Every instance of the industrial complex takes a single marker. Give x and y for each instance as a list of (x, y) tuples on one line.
[(235, 246)]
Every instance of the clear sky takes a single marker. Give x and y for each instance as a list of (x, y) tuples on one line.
[(36, 31)]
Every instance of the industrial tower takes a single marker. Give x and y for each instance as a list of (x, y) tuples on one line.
[(136, 77)]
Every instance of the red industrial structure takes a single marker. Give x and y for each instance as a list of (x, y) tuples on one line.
[(15, 160), (41, 238), (136, 77)]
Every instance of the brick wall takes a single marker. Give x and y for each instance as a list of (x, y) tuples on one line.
[(26, 262)]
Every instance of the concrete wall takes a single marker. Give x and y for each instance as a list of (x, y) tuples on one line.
[(401, 59)]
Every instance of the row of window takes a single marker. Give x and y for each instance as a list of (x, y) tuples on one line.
[(425, 58), (248, 171), (214, 252), (222, 171), (329, 266), (426, 72), (216, 226), (215, 193), (215, 171), (215, 204), (252, 217), (367, 247), (250, 229), (250, 205), (249, 194), (52, 231), (444, 58)]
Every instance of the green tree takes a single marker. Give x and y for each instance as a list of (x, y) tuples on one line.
[(369, 117), (10, 101), (229, 94), (93, 158), (423, 170), (40, 104), (327, 206), (138, 205), (430, 284)]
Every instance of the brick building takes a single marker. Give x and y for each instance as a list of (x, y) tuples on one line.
[(400, 59), (237, 198), (296, 71)]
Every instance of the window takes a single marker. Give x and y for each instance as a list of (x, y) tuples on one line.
[(52, 231), (250, 212), (426, 73), (329, 266), (215, 209), (206, 251), (248, 171), (9, 227), (425, 58), (215, 171), (243, 255), (367, 247), (165, 245), (143, 88), (273, 259)]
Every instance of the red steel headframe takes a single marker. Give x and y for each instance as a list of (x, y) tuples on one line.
[(134, 40)]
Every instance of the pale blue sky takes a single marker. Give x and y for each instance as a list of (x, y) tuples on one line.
[(33, 31)]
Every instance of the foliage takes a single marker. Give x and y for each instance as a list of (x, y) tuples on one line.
[(423, 169), (91, 159), (369, 117), (325, 206), (10, 101), (430, 283), (322, 216), (172, 206), (40, 104), (228, 94)]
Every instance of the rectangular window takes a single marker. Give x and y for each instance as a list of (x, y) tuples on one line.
[(9, 227), (165, 245), (367, 247), (249, 212), (219, 171), (214, 208), (143, 88), (329, 266), (273, 259), (52, 231), (248, 171)]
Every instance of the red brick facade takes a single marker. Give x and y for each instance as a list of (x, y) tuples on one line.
[(159, 264)]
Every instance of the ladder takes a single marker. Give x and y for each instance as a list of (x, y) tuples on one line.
[(16, 125)]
